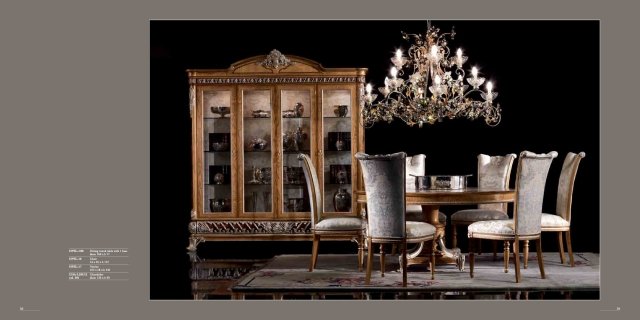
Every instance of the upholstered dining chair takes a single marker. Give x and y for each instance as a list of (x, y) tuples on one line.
[(527, 214), (560, 222), (329, 227), (416, 166), (493, 172), (384, 185)]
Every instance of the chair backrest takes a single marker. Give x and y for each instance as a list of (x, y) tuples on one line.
[(494, 172), (565, 184), (313, 186), (384, 184), (415, 166), (530, 182)]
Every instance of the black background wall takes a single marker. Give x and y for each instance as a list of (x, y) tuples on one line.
[(546, 72)]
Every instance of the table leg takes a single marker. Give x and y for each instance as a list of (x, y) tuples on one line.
[(443, 254)]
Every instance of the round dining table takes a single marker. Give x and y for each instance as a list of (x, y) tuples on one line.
[(431, 200)]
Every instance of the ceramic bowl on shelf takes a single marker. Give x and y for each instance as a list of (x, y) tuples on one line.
[(220, 146), (221, 110), (260, 113)]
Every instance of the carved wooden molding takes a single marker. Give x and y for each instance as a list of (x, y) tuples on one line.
[(250, 227), (220, 273), (192, 99), (275, 61), (270, 80)]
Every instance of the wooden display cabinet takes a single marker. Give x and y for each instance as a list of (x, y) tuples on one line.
[(249, 123)]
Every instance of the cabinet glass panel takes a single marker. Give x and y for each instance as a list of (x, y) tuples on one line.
[(257, 166), (336, 119), (296, 138), (217, 155)]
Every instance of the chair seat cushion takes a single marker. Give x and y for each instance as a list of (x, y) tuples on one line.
[(417, 229), (471, 215), (553, 221), (497, 227), (414, 213), (340, 223)]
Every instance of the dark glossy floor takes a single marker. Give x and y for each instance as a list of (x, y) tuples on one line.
[(216, 267)]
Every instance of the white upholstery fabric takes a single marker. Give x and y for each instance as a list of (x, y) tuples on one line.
[(313, 187), (419, 229), (532, 176), (494, 172), (553, 221), (471, 215), (498, 227), (384, 178), (565, 184), (340, 223)]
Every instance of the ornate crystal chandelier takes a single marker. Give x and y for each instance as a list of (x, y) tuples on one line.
[(436, 88)]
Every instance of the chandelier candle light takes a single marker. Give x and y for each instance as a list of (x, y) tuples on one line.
[(430, 93)]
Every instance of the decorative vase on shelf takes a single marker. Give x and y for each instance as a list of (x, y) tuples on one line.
[(216, 205), (218, 178), (342, 200), (341, 110), (299, 138), (340, 145), (299, 109)]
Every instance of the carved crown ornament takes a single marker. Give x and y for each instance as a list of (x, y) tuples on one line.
[(276, 61)]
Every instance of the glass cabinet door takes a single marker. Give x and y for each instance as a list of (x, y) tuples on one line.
[(336, 124), (257, 154), (217, 151), (296, 109)]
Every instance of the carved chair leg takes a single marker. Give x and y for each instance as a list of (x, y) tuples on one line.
[(394, 248), (539, 254), (360, 252), (506, 256), (516, 257), (367, 278), (479, 248), (314, 252), (526, 254), (567, 235), (560, 247), (382, 260)]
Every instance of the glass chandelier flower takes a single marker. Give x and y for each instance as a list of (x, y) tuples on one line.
[(437, 87)]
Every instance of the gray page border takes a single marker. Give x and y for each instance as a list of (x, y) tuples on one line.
[(67, 64)]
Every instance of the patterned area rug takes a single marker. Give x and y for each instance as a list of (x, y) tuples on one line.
[(335, 273)]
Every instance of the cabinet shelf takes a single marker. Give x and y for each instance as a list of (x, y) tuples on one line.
[(296, 152)]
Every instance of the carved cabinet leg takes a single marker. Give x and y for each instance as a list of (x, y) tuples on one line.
[(194, 242)]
